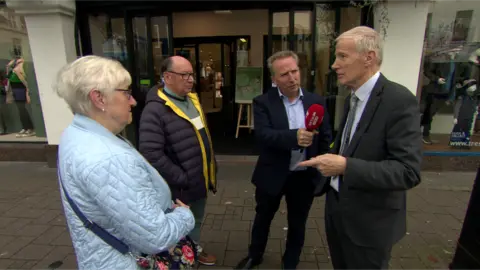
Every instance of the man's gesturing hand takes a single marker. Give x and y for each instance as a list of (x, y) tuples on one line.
[(328, 164), (304, 137)]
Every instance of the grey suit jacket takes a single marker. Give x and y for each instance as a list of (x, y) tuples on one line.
[(383, 161)]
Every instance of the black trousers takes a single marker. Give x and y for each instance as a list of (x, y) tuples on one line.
[(468, 246), (3, 117), (431, 106), (343, 252), (298, 192), (24, 116)]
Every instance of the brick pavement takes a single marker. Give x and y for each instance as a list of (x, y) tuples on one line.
[(33, 232)]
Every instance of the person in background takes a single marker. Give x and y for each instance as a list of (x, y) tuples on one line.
[(3, 103), (174, 138), (444, 77), (283, 140), (19, 86), (104, 175), (376, 157)]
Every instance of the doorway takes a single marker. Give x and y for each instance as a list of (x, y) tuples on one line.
[(214, 60)]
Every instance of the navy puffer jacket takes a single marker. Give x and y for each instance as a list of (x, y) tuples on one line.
[(170, 144)]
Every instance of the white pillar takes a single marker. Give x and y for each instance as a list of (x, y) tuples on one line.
[(50, 27), (403, 44)]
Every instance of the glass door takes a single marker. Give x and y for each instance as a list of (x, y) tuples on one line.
[(291, 29), (142, 56), (150, 47), (148, 42), (210, 77), (213, 60), (302, 45), (139, 40)]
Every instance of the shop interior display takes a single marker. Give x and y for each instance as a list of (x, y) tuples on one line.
[(15, 90)]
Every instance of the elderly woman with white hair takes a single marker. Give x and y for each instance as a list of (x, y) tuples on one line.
[(116, 205)]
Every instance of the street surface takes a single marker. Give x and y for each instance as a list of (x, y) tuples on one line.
[(33, 232)]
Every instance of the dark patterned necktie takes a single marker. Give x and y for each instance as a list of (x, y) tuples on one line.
[(349, 124)]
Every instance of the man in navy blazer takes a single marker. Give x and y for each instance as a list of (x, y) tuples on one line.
[(279, 117)]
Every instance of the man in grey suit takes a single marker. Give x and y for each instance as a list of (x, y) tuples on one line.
[(376, 157)]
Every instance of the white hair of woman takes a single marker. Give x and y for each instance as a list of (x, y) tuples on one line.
[(90, 86), (76, 80)]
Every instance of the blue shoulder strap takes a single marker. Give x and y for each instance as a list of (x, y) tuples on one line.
[(92, 226)]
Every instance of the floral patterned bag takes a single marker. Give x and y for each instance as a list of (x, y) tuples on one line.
[(182, 256)]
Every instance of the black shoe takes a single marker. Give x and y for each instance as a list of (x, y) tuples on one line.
[(248, 263)]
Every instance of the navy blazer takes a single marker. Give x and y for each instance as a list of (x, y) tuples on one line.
[(276, 140)]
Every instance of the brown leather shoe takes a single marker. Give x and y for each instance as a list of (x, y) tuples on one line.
[(206, 259)]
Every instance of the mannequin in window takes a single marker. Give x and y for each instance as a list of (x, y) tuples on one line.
[(19, 86), (475, 63), (3, 103), (465, 112), (443, 74)]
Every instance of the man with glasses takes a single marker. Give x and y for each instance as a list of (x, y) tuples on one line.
[(174, 138)]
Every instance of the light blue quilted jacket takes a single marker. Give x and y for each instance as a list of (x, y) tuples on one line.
[(115, 187)]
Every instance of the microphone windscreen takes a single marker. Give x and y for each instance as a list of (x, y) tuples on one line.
[(314, 117)]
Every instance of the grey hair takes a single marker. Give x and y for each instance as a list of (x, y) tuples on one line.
[(77, 79), (366, 39), (280, 55)]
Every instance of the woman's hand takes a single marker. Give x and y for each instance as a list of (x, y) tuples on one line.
[(179, 203)]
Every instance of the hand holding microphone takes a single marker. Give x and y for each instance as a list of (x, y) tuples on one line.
[(304, 137), (313, 119)]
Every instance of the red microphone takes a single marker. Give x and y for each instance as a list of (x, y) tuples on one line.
[(314, 117)]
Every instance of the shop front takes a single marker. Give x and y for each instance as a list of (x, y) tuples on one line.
[(227, 43)]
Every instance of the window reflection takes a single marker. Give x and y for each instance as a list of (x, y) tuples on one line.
[(303, 45), (108, 37), (159, 43), (449, 76)]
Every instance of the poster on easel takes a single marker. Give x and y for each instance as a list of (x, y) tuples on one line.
[(249, 83)]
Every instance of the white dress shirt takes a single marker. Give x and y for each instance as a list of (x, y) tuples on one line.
[(363, 94), (296, 120)]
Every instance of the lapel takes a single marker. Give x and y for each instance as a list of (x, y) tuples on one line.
[(338, 137), (367, 115), (279, 113), (307, 101), (278, 108)]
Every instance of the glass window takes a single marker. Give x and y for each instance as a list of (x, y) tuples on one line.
[(325, 22), (280, 32), (303, 45), (108, 37), (159, 44), (329, 26), (449, 75), (21, 116)]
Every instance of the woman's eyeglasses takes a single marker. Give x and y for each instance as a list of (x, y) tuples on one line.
[(127, 92)]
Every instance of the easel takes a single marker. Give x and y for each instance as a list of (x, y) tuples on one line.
[(247, 105)]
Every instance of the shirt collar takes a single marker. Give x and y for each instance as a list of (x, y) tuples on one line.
[(282, 95), (364, 91), (173, 95)]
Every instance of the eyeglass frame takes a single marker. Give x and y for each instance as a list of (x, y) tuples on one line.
[(128, 92), (183, 75)]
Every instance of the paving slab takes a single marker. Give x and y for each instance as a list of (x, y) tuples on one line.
[(33, 233)]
